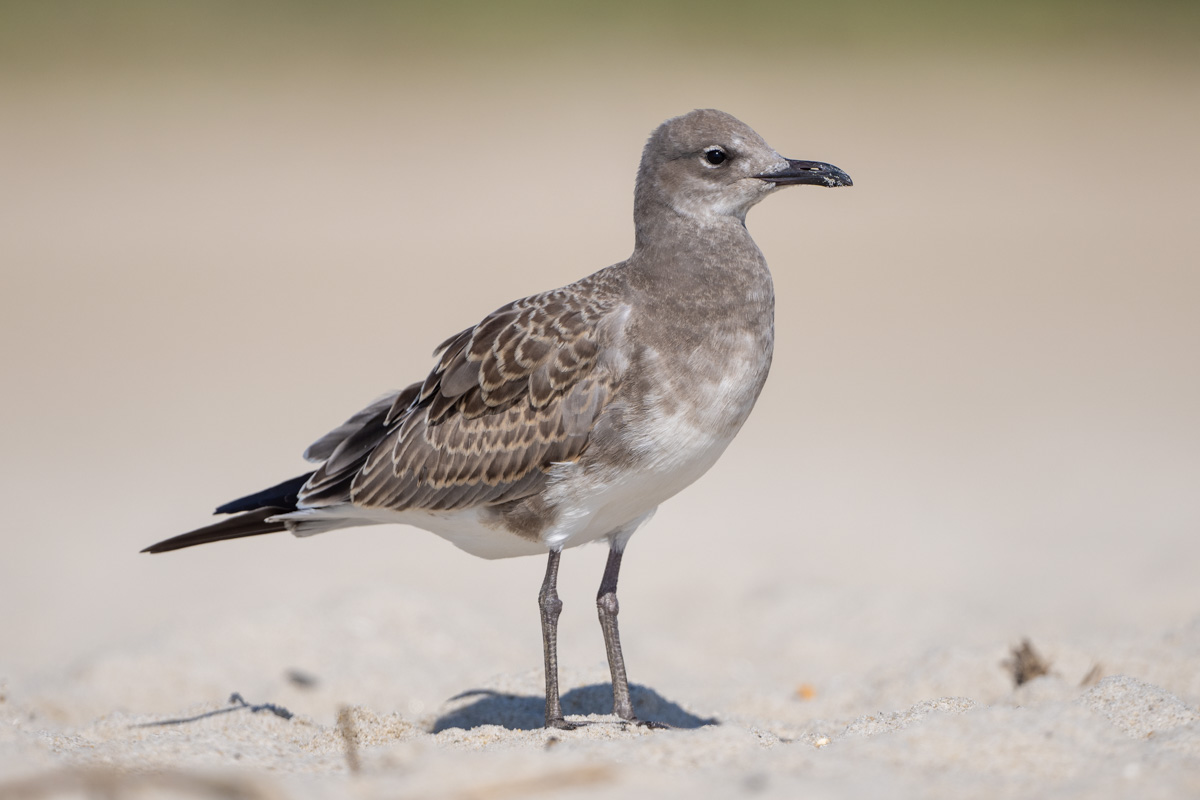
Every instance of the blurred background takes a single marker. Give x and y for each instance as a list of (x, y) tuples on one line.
[(224, 227)]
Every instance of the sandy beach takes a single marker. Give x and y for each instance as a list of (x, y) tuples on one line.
[(982, 427), (384, 696)]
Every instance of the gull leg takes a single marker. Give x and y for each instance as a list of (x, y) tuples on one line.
[(606, 604), (551, 608)]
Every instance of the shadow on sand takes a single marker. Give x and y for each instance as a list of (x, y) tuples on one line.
[(527, 712)]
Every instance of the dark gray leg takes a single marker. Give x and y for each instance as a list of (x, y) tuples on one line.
[(551, 607), (606, 604)]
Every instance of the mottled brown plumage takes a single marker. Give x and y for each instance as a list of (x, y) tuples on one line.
[(508, 398), (568, 416)]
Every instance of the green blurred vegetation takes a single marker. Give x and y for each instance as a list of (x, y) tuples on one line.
[(48, 32)]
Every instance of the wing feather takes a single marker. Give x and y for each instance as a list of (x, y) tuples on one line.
[(505, 401), (323, 448)]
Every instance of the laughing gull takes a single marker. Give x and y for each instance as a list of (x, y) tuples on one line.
[(568, 416)]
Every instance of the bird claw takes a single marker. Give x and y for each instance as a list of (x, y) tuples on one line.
[(561, 724), (649, 723)]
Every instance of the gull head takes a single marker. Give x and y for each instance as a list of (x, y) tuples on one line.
[(708, 165)]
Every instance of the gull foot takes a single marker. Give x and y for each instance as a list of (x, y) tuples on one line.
[(649, 723), (561, 724)]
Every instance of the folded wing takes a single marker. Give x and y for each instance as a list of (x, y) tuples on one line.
[(507, 399)]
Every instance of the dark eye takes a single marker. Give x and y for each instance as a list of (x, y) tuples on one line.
[(715, 156)]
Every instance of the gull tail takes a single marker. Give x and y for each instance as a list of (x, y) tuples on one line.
[(258, 508), (252, 523)]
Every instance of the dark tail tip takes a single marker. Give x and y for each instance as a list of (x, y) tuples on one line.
[(253, 523)]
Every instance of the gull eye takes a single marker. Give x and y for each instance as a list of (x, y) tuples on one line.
[(716, 156)]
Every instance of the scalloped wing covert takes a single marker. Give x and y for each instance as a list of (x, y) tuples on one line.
[(507, 399)]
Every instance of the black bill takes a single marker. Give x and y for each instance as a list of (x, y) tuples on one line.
[(814, 172)]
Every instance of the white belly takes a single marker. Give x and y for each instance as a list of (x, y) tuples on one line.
[(594, 504)]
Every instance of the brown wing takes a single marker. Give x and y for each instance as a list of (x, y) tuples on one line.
[(507, 399), (374, 414)]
